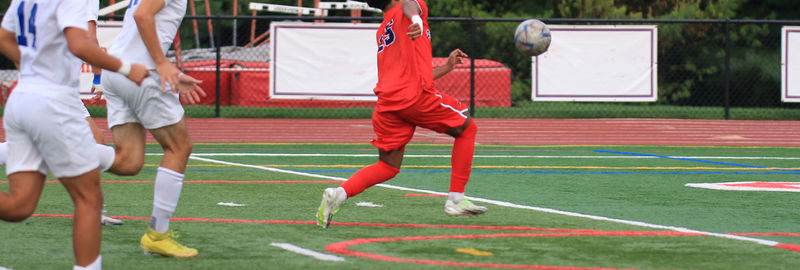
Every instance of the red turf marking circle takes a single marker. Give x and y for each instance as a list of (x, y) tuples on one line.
[(342, 247)]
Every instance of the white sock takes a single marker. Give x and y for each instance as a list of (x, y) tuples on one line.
[(165, 198), (3, 152), (96, 265), (341, 195), (455, 197), (106, 154)]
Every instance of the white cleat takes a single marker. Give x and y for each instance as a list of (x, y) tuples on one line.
[(328, 207), (109, 221), (463, 208)]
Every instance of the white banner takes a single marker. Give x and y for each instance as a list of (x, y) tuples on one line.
[(790, 64), (333, 61), (107, 31), (597, 63)]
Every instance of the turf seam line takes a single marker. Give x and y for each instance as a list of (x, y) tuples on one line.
[(513, 205), (307, 252)]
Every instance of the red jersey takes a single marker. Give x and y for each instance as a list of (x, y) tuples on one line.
[(404, 65)]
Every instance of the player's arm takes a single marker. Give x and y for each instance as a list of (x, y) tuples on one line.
[(455, 58), (185, 85), (412, 10), (8, 46), (145, 17), (84, 48), (93, 36), (97, 88)]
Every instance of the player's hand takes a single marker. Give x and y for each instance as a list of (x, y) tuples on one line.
[(456, 57), (414, 31), (97, 89), (169, 74), (138, 73), (189, 89)]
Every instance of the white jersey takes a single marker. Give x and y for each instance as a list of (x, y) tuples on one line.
[(92, 10), (45, 59), (129, 45)]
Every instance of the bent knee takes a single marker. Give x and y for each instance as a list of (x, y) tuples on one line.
[(470, 129), (18, 214), (128, 166)]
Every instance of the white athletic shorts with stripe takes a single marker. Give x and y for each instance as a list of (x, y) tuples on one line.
[(146, 104), (45, 131)]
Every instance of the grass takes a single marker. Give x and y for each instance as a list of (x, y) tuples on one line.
[(567, 178)]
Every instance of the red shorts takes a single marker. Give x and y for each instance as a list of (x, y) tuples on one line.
[(437, 112)]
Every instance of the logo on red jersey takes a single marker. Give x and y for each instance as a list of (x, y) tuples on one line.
[(387, 39)]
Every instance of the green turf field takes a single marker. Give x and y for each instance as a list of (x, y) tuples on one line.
[(550, 207)]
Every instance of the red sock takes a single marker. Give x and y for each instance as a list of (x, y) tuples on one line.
[(369, 176), (461, 160)]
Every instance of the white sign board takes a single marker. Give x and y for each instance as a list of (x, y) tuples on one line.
[(333, 61), (597, 63), (790, 64), (107, 31)]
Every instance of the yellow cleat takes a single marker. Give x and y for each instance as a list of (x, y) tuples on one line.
[(165, 245)]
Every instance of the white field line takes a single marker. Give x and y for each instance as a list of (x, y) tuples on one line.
[(476, 156), (308, 252), (513, 205), (723, 186), (3, 268)]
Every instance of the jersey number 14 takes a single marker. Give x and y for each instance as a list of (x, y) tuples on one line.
[(22, 38)]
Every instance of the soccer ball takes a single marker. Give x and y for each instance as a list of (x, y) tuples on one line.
[(532, 37)]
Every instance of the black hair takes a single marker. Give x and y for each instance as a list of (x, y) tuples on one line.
[(379, 4)]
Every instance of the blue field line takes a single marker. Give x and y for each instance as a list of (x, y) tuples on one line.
[(692, 159)]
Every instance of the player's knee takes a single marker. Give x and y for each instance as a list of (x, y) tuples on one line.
[(128, 166), (468, 130), (182, 148), (18, 213)]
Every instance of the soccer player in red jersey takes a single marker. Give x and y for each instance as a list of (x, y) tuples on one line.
[(408, 99)]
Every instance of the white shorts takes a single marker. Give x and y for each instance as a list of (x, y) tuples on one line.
[(84, 111), (48, 133), (146, 104)]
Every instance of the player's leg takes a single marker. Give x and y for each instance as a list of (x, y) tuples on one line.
[(392, 135), (88, 199), (444, 114), (23, 194), (177, 145), (49, 133), (132, 110), (461, 164), (129, 143), (122, 100), (107, 154)]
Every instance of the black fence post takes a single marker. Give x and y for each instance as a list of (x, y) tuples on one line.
[(727, 69), (472, 52), (218, 63)]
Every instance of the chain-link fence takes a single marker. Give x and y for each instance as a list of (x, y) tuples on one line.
[(707, 69)]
